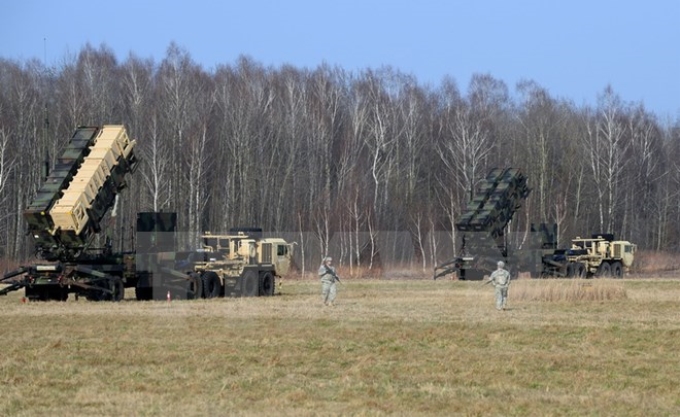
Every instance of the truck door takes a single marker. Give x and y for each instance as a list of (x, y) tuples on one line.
[(282, 258)]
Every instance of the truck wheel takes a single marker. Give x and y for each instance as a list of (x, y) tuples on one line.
[(617, 270), (562, 270), (195, 289), (98, 293), (267, 284), (250, 284), (605, 270), (580, 270), (570, 270), (117, 289), (212, 288)]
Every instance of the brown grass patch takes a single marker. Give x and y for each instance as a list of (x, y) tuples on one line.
[(649, 262), (575, 290)]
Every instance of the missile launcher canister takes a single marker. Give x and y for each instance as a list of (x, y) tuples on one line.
[(76, 195), (495, 202)]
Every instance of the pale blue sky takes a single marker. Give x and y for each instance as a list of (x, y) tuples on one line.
[(573, 48)]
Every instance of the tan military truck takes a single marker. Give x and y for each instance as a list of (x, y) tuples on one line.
[(242, 263), (599, 256)]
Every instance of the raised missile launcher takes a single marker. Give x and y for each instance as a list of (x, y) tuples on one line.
[(66, 214), (37, 215), (76, 195), (482, 225)]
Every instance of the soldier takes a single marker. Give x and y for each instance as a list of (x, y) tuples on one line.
[(328, 281), (500, 279)]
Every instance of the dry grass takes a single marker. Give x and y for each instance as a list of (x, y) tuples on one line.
[(391, 347), (577, 290), (649, 262)]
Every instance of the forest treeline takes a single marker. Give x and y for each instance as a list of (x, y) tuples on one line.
[(327, 151)]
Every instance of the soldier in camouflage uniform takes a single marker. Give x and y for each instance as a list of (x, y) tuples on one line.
[(328, 281), (500, 279)]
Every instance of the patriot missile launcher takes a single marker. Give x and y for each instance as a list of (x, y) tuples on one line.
[(482, 225), (65, 217)]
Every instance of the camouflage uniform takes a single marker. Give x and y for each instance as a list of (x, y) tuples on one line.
[(500, 279), (328, 282)]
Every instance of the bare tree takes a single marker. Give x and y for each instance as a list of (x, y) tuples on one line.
[(96, 72), (448, 192), (608, 146), (70, 95), (380, 92), (7, 167), (413, 156), (326, 155), (21, 145), (541, 119), (469, 130), (137, 91), (197, 163), (244, 101), (155, 170), (648, 169), (178, 99)]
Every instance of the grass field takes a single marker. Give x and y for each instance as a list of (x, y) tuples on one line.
[(390, 347)]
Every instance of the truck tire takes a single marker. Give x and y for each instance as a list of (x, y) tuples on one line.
[(580, 270), (570, 270), (98, 291), (562, 270), (617, 270), (250, 283), (267, 284), (212, 287), (195, 287), (117, 288), (605, 270)]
